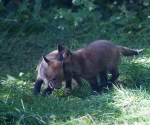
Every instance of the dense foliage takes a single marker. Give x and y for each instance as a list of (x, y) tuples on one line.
[(31, 28), (26, 16)]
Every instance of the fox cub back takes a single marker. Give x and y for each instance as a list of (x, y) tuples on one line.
[(97, 58)]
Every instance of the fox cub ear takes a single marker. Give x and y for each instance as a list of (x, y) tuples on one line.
[(60, 48), (46, 62), (66, 54)]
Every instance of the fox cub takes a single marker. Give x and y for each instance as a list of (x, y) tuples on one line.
[(51, 71), (97, 58)]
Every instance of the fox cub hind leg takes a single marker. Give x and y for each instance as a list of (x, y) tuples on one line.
[(108, 83), (94, 84), (103, 77), (115, 75), (77, 80)]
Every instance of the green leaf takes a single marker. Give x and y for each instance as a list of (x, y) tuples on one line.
[(1, 6), (123, 8), (37, 7), (22, 7), (44, 20)]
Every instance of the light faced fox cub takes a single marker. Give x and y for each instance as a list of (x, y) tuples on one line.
[(51, 72), (97, 58)]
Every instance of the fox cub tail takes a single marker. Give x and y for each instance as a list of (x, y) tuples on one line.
[(129, 52)]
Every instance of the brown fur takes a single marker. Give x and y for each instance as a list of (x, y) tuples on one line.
[(51, 71), (97, 58)]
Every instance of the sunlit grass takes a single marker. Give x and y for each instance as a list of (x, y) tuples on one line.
[(127, 103), (120, 105)]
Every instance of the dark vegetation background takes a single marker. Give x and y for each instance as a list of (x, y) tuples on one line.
[(32, 28), (36, 26)]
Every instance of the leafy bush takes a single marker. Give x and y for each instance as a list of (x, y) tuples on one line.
[(77, 15)]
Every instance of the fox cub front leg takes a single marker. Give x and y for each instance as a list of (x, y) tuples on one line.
[(37, 86)]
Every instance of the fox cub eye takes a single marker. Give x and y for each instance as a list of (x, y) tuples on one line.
[(54, 79)]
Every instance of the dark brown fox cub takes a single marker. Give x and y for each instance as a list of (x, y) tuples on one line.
[(51, 72), (97, 58)]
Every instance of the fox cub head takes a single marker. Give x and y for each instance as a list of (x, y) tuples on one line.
[(52, 73)]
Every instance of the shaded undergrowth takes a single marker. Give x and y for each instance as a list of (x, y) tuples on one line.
[(127, 103)]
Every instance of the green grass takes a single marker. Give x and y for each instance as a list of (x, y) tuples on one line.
[(127, 103)]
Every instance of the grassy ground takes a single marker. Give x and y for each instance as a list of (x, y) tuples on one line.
[(127, 103)]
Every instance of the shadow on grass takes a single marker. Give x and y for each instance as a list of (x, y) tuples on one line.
[(19, 105), (60, 107)]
